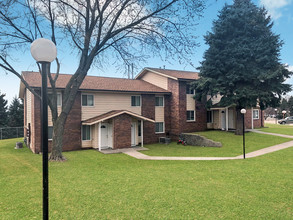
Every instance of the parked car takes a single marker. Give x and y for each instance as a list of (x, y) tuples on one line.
[(288, 120)]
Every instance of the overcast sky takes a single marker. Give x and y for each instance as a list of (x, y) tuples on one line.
[(281, 12)]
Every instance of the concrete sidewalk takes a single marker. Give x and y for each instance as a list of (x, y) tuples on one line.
[(134, 153), (274, 134)]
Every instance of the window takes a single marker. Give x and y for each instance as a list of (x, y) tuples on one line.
[(139, 128), (59, 98), (86, 132), (50, 132), (159, 127), (255, 114), (159, 101), (87, 100), (135, 100), (190, 115), (189, 89), (209, 117)]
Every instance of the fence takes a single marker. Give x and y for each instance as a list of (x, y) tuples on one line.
[(11, 132)]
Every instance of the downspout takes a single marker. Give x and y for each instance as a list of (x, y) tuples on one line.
[(252, 125), (100, 141), (227, 118), (141, 129)]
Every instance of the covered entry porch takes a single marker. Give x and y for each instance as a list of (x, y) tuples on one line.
[(223, 118), (116, 129)]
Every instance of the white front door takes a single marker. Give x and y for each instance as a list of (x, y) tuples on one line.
[(110, 135), (223, 119), (133, 133), (104, 136)]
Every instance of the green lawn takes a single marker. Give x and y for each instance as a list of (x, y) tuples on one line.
[(91, 185), (232, 145), (279, 129)]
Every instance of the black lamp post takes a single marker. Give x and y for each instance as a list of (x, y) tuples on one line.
[(243, 111), (44, 52)]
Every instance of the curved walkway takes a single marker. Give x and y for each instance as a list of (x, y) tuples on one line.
[(134, 153)]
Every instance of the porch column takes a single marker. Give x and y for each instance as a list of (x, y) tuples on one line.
[(227, 118), (141, 130), (252, 125), (100, 141)]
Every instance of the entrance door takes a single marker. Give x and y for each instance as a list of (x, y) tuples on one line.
[(223, 119), (104, 136), (133, 134)]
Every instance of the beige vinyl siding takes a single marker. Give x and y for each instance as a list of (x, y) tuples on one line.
[(216, 119), (216, 99), (28, 106), (105, 102), (190, 102), (95, 135), (156, 79), (159, 114)]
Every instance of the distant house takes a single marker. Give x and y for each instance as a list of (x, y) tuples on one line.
[(120, 113)]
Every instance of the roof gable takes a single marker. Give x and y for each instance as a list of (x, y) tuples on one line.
[(173, 74)]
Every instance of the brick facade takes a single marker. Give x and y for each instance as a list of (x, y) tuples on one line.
[(72, 131), (148, 110), (122, 131), (257, 123)]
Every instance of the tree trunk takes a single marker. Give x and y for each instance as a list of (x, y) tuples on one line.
[(239, 122), (57, 142)]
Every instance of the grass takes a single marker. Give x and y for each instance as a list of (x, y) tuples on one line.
[(232, 145), (91, 185), (279, 129)]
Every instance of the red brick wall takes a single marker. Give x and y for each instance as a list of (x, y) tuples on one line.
[(148, 110), (257, 123), (72, 132), (122, 131), (36, 124), (173, 86)]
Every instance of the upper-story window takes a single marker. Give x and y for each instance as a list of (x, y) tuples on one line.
[(255, 114), (189, 89), (159, 101), (87, 100), (135, 100), (59, 98)]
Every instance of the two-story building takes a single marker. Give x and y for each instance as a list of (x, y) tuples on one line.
[(120, 113)]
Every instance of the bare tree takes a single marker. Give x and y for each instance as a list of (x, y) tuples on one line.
[(128, 29)]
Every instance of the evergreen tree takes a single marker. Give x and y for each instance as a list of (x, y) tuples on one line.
[(290, 105), (15, 113), (242, 63), (3, 110)]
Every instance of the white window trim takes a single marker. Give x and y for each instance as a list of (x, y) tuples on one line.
[(135, 105), (163, 127), (163, 102), (90, 133), (257, 114), (193, 116), (88, 106)]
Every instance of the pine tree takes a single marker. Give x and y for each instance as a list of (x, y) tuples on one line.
[(15, 113), (3, 110), (242, 62)]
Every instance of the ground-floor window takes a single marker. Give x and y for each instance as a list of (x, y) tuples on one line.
[(190, 116), (50, 132), (209, 116), (255, 114), (159, 127), (139, 128), (86, 132)]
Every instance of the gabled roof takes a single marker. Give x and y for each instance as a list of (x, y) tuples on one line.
[(97, 83), (112, 114), (173, 74)]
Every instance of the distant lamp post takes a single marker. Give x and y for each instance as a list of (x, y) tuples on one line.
[(276, 110), (243, 111), (44, 52), (284, 112)]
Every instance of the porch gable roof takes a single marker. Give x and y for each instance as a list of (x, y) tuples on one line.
[(112, 114)]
